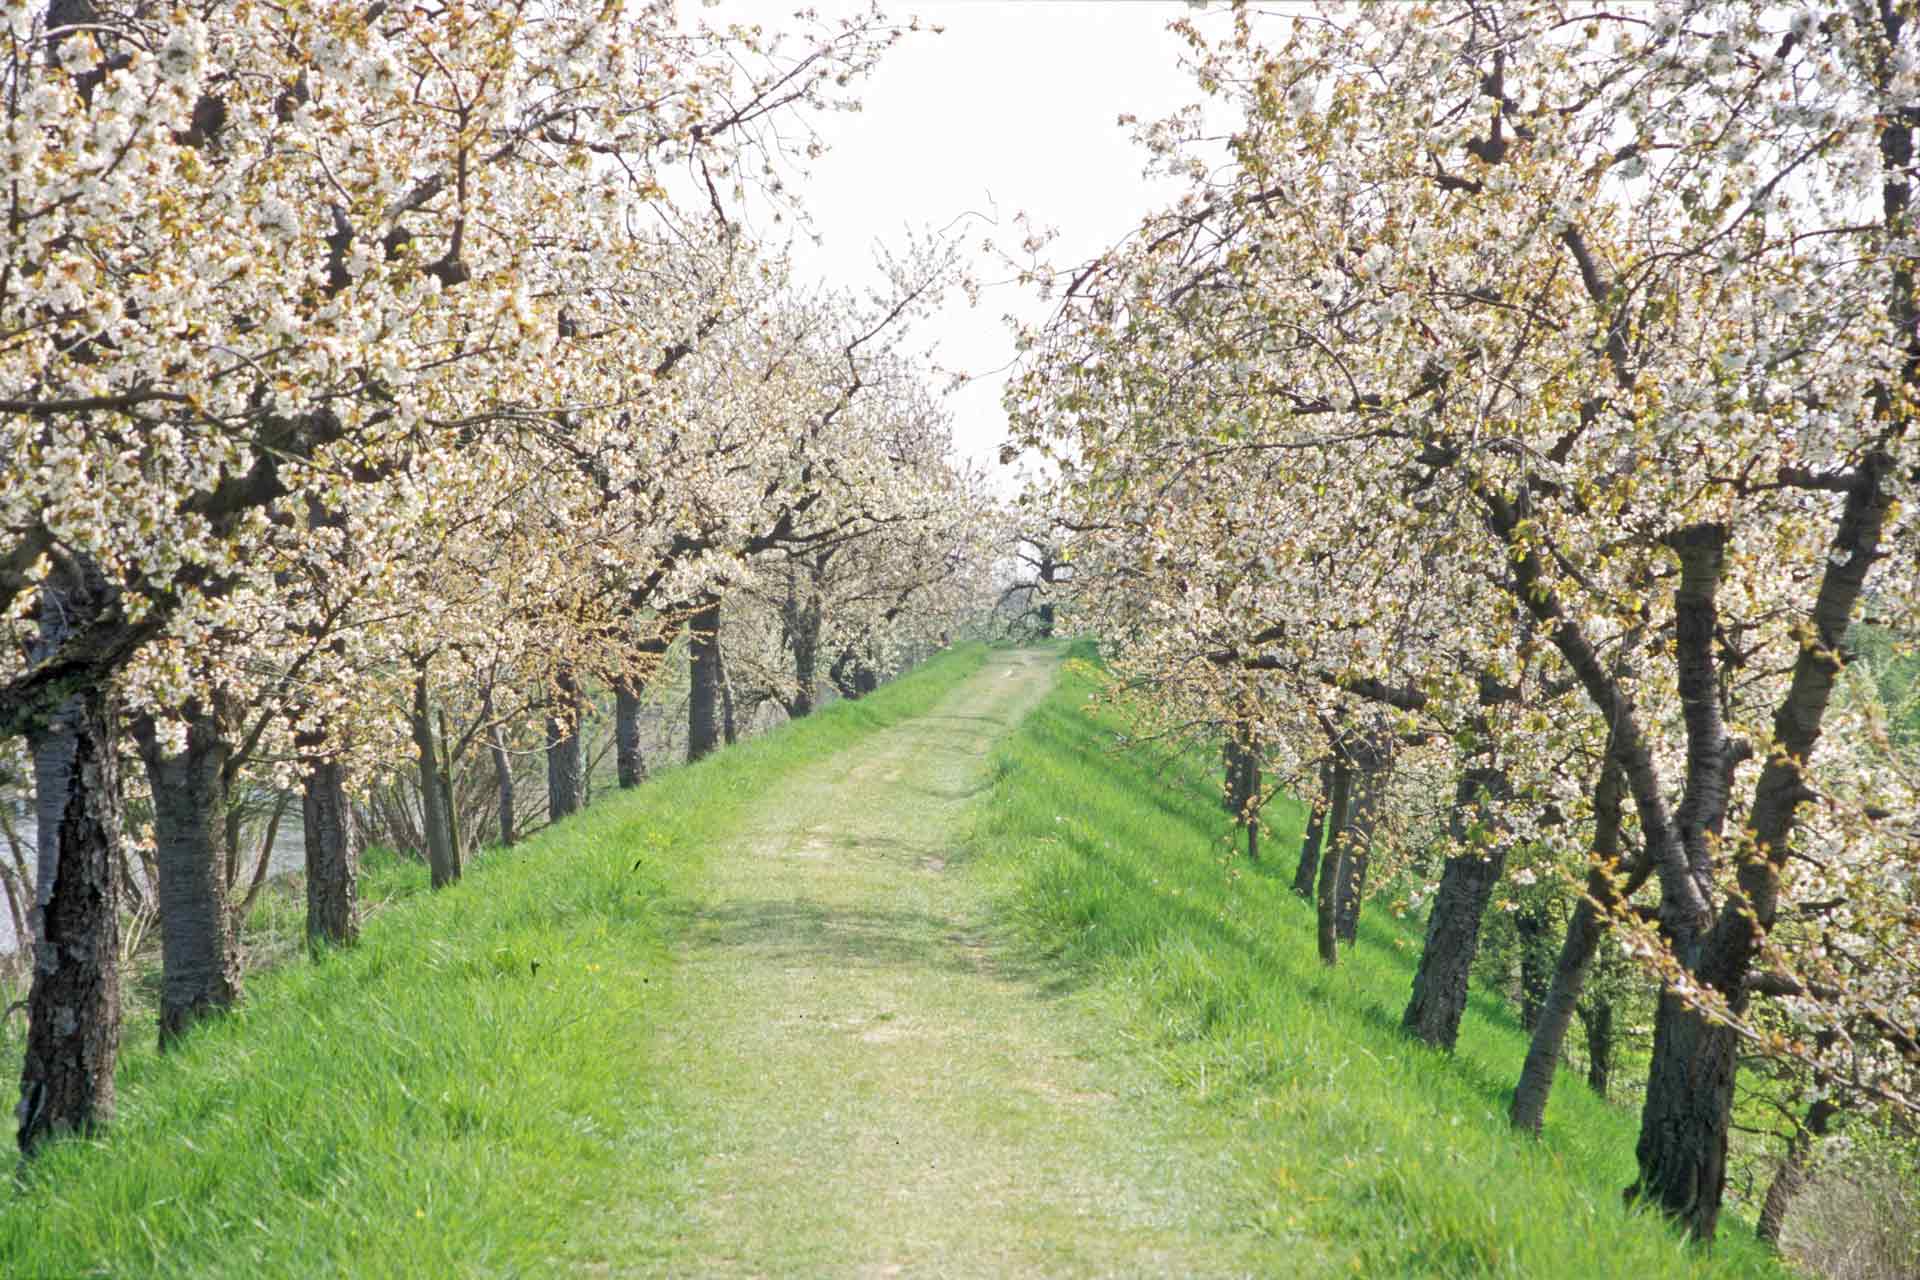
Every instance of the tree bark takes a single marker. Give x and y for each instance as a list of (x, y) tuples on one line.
[(703, 727), (1304, 875), (1371, 785), (199, 961), (1584, 933), (73, 1006), (629, 764), (443, 861), (803, 635), (1791, 1178), (1332, 864), (333, 856), (566, 769), (1444, 977)]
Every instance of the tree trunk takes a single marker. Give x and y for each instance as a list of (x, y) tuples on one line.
[(1242, 757), (73, 1007), (630, 766), (1597, 1017), (1441, 983), (1332, 863), (1684, 1125), (199, 962), (333, 856), (1791, 1178), (703, 698), (1584, 932), (454, 838), (502, 770), (566, 768), (729, 727), (1372, 785), (1304, 875), (443, 862), (803, 632)]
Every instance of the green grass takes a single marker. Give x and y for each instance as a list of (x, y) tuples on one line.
[(461, 1094), (1366, 1151)]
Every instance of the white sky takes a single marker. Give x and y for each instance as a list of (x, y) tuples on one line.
[(1014, 107)]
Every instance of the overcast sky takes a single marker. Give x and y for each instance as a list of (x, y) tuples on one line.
[(1013, 107)]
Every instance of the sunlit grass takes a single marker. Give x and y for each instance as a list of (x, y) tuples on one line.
[(1371, 1152), (458, 1095)]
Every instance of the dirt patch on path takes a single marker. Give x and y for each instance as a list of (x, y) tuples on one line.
[(880, 1096)]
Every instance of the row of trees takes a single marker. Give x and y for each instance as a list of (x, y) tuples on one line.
[(1509, 434), (387, 385)]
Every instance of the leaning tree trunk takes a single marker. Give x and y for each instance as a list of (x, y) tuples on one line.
[(566, 769), (73, 1006), (703, 695), (1332, 864), (443, 860), (199, 961), (333, 855), (1584, 932), (1444, 977), (1791, 1178), (1304, 875), (1359, 835)]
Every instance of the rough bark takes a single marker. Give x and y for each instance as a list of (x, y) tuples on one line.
[(199, 960), (703, 697), (1242, 758), (1791, 1177), (73, 1006), (629, 765), (1369, 785), (443, 861), (803, 637), (1304, 875), (1332, 864), (1444, 977), (333, 856), (566, 769), (1584, 932)]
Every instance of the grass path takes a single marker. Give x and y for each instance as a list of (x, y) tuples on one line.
[(884, 1089)]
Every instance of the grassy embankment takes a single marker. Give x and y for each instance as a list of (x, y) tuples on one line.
[(457, 1095), (1372, 1153)]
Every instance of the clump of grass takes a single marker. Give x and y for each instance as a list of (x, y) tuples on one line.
[(458, 1095), (1371, 1152)]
